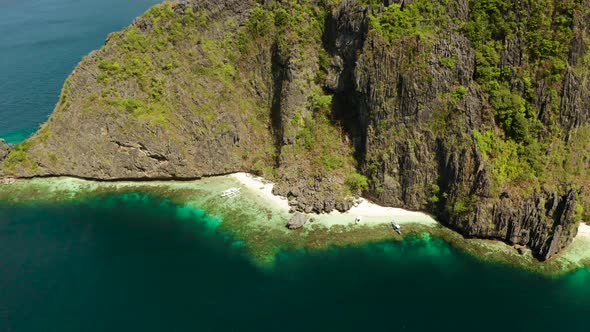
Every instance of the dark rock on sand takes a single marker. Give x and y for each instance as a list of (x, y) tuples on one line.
[(297, 221)]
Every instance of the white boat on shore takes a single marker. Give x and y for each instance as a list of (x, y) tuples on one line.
[(231, 192), (396, 227)]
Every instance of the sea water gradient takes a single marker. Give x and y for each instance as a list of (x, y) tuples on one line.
[(135, 262), (41, 41)]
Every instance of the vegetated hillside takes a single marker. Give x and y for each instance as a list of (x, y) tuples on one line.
[(474, 110)]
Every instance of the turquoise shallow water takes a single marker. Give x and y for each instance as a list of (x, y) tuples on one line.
[(41, 41), (138, 263)]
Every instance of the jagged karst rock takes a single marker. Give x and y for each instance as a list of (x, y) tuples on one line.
[(297, 221), (204, 88)]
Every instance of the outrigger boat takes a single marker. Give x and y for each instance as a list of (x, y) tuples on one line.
[(231, 192), (396, 227)]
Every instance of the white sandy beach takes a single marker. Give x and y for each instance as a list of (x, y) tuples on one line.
[(578, 252), (373, 214), (369, 212), (261, 188), (584, 231)]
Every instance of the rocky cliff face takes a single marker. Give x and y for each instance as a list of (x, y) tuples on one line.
[(422, 108), (477, 113), (136, 109)]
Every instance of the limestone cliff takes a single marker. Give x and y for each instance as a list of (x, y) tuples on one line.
[(474, 110)]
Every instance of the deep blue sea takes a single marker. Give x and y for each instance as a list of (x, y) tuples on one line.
[(41, 41), (131, 263)]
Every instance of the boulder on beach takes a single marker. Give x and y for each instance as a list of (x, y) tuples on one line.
[(520, 248), (297, 221)]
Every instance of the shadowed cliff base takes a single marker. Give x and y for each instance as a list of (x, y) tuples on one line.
[(475, 113)]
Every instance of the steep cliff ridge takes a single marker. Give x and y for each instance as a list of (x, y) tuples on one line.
[(156, 102), (474, 110), (464, 112)]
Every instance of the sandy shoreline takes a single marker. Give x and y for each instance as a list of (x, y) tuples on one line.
[(261, 188), (584, 231), (370, 213)]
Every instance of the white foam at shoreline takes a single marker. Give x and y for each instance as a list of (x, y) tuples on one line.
[(370, 213)]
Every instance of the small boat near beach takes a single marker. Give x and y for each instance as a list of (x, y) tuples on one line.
[(396, 227), (231, 192)]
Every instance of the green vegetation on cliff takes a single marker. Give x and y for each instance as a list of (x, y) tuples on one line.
[(524, 90), (486, 101), (311, 144), (194, 76)]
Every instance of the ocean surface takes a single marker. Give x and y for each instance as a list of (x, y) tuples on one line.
[(41, 41), (132, 262)]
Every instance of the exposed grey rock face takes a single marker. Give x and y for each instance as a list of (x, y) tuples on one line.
[(90, 139), (543, 222), (297, 221), (392, 114), (307, 195)]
